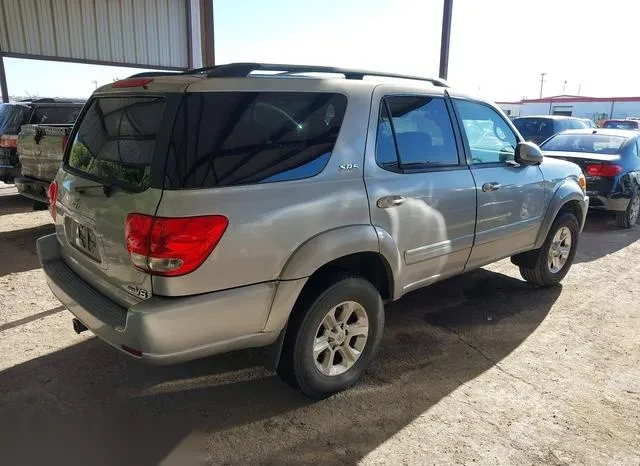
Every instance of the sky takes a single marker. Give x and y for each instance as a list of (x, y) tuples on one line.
[(498, 47)]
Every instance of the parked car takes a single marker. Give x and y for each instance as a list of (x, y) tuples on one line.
[(220, 209), (40, 151), (622, 124), (14, 115), (610, 161), (538, 128)]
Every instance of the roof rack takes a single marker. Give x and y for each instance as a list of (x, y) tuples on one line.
[(243, 70)]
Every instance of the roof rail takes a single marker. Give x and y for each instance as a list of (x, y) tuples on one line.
[(241, 70)]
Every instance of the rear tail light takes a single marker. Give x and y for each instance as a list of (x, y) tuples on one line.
[(606, 170), (52, 194), (135, 82), (170, 246), (9, 141)]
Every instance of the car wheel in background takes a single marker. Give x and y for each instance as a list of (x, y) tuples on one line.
[(629, 217), (553, 260), (332, 336)]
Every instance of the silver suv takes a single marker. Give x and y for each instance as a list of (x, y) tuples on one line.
[(280, 206)]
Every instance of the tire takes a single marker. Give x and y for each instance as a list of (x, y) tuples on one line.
[(542, 273), (307, 327), (629, 217)]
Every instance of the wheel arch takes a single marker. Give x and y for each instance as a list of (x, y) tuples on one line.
[(568, 197)]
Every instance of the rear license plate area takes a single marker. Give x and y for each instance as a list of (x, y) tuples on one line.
[(84, 239)]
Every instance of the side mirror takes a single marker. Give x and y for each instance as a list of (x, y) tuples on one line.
[(528, 153)]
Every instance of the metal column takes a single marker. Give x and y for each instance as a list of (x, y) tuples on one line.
[(446, 36), (3, 81), (206, 33)]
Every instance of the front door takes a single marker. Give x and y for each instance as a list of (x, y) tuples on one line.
[(510, 196), (420, 191)]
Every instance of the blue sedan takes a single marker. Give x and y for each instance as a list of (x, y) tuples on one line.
[(610, 161)]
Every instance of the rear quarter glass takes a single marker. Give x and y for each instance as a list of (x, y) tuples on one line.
[(238, 138)]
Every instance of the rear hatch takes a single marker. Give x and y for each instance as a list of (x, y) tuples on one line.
[(40, 149), (12, 116), (107, 172)]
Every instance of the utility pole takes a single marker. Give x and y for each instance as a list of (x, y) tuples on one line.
[(564, 86), (542, 75), (95, 83), (579, 87), (446, 36)]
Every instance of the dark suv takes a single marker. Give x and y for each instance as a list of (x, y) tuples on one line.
[(540, 128), (14, 115)]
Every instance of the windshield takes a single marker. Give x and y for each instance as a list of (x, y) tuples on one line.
[(116, 139), (591, 143), (534, 128), (12, 117), (621, 124)]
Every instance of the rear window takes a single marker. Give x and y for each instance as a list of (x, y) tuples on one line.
[(590, 143), (56, 115), (538, 128), (12, 117), (621, 124), (235, 138), (115, 140)]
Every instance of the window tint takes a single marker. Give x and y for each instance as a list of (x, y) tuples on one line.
[(233, 138), (115, 141), (490, 138), (536, 129), (422, 130), (55, 115)]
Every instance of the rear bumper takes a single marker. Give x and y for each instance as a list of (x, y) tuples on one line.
[(165, 330), (608, 201), (32, 188)]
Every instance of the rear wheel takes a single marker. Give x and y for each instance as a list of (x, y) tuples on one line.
[(332, 336), (629, 217), (553, 260)]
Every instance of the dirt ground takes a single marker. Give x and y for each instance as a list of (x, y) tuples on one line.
[(483, 368)]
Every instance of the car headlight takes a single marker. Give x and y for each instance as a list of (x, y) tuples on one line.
[(582, 181)]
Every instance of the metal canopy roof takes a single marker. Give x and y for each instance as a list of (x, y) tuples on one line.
[(141, 33)]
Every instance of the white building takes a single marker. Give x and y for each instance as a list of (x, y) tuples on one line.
[(594, 108)]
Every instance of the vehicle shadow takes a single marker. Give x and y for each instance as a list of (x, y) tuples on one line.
[(18, 252), (88, 401), (601, 237), (13, 203)]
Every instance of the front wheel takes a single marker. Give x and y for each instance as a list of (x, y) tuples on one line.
[(553, 260), (332, 336)]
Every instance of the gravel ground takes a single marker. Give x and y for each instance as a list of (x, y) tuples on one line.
[(482, 368)]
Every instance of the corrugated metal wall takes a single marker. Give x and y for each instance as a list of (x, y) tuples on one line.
[(152, 33)]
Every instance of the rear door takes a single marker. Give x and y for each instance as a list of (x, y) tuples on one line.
[(106, 176), (420, 191), (510, 196)]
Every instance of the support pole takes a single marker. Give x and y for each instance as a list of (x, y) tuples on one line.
[(446, 36), (206, 33), (3, 81)]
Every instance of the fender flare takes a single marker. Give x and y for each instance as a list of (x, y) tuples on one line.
[(568, 191)]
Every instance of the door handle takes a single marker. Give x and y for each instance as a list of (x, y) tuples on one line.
[(488, 187), (390, 201)]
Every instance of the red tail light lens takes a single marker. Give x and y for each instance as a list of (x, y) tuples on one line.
[(604, 169), (135, 82), (170, 246), (9, 141), (52, 194)]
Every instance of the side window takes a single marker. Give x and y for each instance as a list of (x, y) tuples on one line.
[(490, 138), (635, 150), (386, 155), (422, 130), (239, 138)]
